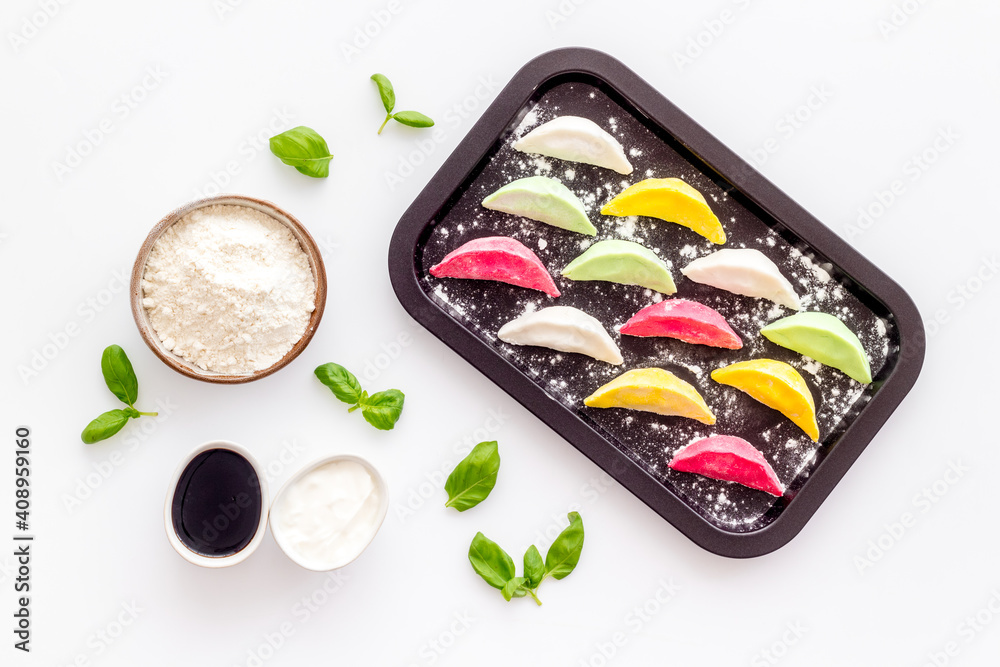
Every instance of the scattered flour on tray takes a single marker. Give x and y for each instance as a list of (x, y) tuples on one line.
[(648, 439)]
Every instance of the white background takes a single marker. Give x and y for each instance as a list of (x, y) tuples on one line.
[(66, 238)]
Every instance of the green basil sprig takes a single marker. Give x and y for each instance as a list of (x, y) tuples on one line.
[(496, 566), (121, 380), (303, 148), (474, 477), (388, 95), (381, 409)]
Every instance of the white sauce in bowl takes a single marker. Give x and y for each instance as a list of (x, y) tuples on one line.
[(325, 518)]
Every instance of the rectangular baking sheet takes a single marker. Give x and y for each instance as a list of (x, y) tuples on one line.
[(634, 447)]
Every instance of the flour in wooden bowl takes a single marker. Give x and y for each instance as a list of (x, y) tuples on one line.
[(228, 289)]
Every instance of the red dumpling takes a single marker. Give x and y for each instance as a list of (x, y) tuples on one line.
[(685, 320), (730, 459), (498, 258)]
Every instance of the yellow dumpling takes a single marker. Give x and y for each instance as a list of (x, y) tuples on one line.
[(652, 390), (777, 385), (669, 199)]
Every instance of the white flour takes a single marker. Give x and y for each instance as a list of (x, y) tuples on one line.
[(228, 289)]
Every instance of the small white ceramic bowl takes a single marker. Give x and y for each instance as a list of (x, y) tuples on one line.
[(383, 508), (217, 561)]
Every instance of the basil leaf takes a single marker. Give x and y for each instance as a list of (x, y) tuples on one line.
[(105, 426), (341, 382), (382, 409), (490, 561), (119, 375), (534, 567), (386, 92), (565, 552), (413, 119), (514, 589), (474, 477), (302, 147)]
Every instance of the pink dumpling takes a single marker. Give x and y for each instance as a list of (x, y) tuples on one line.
[(731, 459), (499, 258), (685, 320)]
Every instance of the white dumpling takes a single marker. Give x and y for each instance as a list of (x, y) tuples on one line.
[(565, 329), (743, 271), (578, 140)]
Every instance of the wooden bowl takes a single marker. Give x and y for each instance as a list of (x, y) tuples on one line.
[(142, 317)]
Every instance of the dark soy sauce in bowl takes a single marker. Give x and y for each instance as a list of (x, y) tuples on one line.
[(216, 508)]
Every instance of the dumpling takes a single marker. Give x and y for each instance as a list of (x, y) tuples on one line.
[(563, 328), (578, 140), (743, 271), (624, 262), (543, 199), (498, 258)]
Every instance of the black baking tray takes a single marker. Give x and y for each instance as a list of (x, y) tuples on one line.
[(634, 447)]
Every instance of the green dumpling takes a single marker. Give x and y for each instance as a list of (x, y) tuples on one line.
[(624, 262), (543, 199), (824, 338)]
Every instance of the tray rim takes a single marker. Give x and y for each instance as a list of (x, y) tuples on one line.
[(752, 184)]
